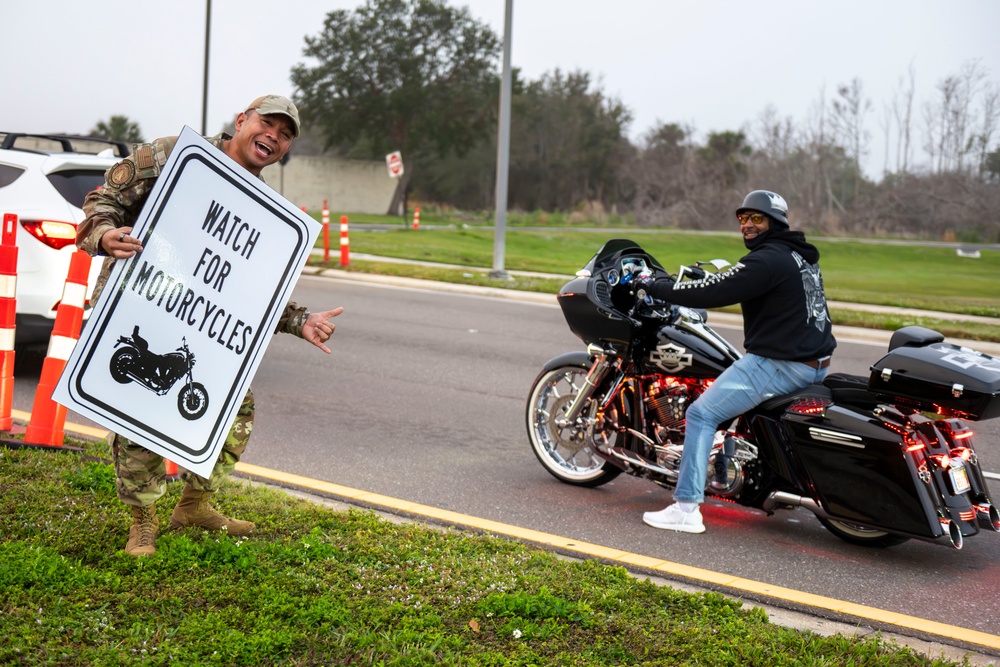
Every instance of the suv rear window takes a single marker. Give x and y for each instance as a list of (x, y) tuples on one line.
[(8, 174), (74, 184)]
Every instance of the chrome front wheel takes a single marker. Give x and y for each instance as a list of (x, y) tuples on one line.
[(565, 449)]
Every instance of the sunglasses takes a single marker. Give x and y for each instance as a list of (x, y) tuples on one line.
[(753, 218)]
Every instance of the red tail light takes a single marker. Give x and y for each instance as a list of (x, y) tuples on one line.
[(53, 233), (941, 459), (963, 453), (809, 406)]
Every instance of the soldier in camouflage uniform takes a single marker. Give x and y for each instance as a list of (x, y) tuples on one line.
[(263, 135)]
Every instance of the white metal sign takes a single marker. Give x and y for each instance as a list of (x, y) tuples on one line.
[(394, 161), (181, 327)]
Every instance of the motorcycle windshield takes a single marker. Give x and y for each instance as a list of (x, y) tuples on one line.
[(611, 253)]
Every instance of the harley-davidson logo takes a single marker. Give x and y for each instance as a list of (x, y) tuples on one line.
[(670, 357), (966, 358)]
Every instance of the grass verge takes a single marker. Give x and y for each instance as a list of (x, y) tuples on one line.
[(317, 586), (961, 329)]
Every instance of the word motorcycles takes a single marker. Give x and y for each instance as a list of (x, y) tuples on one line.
[(194, 310)]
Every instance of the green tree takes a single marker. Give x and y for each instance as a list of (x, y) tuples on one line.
[(118, 128), (566, 142), (991, 166), (411, 75)]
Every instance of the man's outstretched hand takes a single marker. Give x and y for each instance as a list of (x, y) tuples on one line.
[(318, 329)]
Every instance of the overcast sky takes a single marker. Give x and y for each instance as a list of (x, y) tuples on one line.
[(712, 64)]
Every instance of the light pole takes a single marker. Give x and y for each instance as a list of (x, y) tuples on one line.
[(204, 83), (503, 151)]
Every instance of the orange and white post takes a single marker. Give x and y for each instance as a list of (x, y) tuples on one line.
[(48, 418), (416, 217), (345, 243), (8, 318), (326, 232)]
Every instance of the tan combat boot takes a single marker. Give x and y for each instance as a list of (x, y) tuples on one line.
[(142, 532), (193, 509)]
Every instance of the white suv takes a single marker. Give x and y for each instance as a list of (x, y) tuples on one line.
[(44, 179)]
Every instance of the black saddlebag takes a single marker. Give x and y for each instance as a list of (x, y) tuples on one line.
[(922, 371)]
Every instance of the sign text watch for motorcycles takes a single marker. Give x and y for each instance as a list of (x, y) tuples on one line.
[(175, 339)]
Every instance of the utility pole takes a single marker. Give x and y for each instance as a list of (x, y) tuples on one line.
[(204, 84), (503, 152)]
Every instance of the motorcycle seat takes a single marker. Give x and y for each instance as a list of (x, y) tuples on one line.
[(851, 390)]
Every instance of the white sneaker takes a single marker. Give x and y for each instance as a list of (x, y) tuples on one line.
[(674, 518)]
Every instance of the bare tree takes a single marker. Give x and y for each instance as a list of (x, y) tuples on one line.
[(848, 123), (983, 141), (902, 107)]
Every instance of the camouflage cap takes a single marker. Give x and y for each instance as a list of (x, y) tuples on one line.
[(266, 105)]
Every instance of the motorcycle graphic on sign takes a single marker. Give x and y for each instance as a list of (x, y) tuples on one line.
[(159, 372)]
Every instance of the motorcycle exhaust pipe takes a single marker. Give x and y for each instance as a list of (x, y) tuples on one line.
[(784, 498), (954, 533), (622, 456), (988, 517)]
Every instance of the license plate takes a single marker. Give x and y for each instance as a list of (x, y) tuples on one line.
[(959, 478)]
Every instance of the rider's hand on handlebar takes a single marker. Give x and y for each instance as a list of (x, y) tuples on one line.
[(643, 281)]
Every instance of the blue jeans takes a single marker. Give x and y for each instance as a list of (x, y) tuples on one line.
[(744, 385)]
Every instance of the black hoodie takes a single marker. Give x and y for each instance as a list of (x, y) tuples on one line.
[(779, 285)]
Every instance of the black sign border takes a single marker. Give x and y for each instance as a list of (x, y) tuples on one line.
[(257, 349)]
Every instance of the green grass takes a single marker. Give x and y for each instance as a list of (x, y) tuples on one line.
[(927, 278), (858, 272), (316, 586)]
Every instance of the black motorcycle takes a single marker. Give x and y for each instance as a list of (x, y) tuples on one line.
[(159, 372), (878, 459)]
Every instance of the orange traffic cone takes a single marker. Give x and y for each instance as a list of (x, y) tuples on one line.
[(345, 243), (48, 417), (8, 318)]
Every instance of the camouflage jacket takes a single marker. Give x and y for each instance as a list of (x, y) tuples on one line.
[(119, 201)]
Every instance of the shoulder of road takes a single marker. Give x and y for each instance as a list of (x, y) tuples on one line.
[(945, 642), (873, 336)]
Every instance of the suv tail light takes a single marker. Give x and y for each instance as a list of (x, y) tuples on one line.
[(52, 233)]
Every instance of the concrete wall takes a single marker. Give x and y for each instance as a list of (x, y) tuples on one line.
[(349, 186)]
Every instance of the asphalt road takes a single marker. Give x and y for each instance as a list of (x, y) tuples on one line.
[(423, 399)]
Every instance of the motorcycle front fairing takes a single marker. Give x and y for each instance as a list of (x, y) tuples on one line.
[(595, 303)]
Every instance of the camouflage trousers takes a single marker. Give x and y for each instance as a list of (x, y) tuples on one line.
[(142, 474)]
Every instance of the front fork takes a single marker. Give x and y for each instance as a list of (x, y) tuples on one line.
[(595, 376)]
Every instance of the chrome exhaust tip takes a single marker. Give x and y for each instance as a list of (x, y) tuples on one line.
[(988, 516), (954, 533)]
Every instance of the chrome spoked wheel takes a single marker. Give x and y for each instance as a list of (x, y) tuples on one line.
[(566, 450)]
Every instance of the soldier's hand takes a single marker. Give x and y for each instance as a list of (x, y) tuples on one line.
[(117, 243), (318, 329)]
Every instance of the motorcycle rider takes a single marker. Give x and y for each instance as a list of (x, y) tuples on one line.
[(787, 336), (263, 134)]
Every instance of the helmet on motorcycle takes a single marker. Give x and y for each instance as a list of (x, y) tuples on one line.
[(769, 203)]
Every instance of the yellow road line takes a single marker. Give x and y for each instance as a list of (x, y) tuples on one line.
[(605, 553)]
